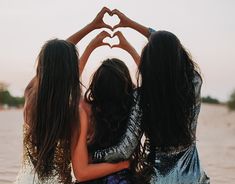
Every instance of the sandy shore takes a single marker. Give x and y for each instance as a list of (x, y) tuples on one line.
[(215, 135), (216, 143)]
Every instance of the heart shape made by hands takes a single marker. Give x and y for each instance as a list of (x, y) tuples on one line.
[(111, 20), (112, 41)]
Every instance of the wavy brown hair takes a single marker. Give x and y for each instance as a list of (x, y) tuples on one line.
[(110, 97), (53, 110)]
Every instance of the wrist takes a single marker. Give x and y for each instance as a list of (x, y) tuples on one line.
[(140, 28), (132, 24), (90, 27)]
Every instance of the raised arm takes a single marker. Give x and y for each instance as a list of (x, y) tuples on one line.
[(125, 45), (127, 22), (128, 143), (95, 24), (96, 42), (84, 171)]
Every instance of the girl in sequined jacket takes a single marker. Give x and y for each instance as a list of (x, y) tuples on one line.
[(167, 104), (107, 102)]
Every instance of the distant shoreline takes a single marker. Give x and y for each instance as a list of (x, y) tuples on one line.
[(21, 108), (10, 109)]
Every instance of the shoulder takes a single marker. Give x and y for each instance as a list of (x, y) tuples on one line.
[(29, 95), (29, 88), (83, 115)]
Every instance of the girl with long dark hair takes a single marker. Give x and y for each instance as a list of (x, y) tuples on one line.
[(166, 111), (55, 127), (108, 101)]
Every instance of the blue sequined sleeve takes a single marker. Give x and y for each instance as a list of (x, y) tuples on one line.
[(128, 143), (197, 81), (151, 30)]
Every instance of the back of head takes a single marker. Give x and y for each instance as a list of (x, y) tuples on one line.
[(110, 96), (167, 91), (55, 110)]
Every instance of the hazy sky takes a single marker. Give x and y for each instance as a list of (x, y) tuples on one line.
[(205, 27)]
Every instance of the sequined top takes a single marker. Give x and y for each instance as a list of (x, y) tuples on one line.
[(177, 166), (27, 174)]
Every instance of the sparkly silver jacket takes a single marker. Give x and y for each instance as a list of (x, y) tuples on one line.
[(175, 167)]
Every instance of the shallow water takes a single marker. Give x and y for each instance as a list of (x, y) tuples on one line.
[(216, 144), (10, 144)]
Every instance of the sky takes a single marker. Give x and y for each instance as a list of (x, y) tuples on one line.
[(205, 27)]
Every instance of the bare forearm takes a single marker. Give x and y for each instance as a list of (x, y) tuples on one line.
[(94, 171), (134, 55), (79, 154), (96, 42), (76, 37), (95, 24), (84, 58), (127, 22), (140, 28)]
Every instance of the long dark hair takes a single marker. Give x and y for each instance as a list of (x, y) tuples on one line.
[(54, 110), (167, 96), (110, 96)]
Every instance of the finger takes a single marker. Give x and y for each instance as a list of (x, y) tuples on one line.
[(104, 10), (101, 36), (107, 10), (112, 29), (117, 26), (106, 44), (108, 26), (116, 12), (104, 34), (116, 46), (121, 36), (118, 34)]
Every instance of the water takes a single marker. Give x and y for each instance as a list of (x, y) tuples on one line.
[(11, 131)]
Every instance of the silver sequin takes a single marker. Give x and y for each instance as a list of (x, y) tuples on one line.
[(174, 167)]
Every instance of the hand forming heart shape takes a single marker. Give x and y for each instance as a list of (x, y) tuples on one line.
[(112, 40), (111, 20)]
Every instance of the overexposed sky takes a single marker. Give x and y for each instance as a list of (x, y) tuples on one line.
[(205, 27)]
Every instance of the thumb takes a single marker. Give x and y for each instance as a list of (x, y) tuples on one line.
[(116, 46), (108, 26), (117, 26), (106, 44)]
